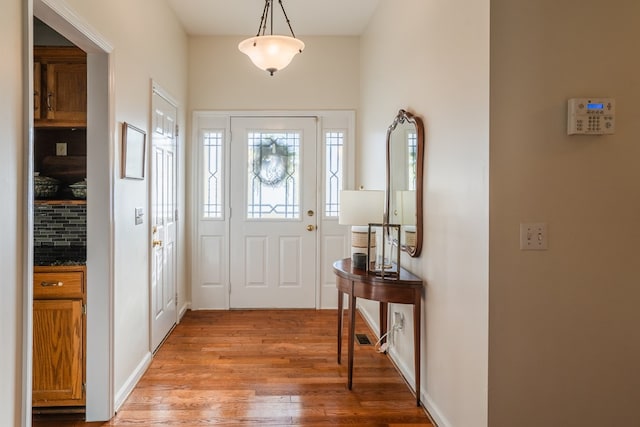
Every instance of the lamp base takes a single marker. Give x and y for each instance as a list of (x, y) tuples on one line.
[(359, 239)]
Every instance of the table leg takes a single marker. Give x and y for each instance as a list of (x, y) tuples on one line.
[(340, 316), (416, 343), (352, 335), (383, 320)]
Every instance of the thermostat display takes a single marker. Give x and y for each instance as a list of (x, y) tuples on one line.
[(591, 116)]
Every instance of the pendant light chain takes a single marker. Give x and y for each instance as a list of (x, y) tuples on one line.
[(267, 15), (286, 18), (271, 2), (263, 19)]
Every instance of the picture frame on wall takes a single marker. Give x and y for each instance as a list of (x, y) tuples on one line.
[(133, 151)]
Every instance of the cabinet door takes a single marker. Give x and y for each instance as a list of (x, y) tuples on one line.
[(37, 91), (66, 96), (57, 353)]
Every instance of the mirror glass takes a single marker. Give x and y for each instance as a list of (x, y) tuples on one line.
[(403, 204)]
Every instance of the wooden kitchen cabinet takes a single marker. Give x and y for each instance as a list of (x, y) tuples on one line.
[(60, 87), (59, 336)]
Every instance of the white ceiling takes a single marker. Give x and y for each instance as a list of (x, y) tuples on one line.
[(242, 17)]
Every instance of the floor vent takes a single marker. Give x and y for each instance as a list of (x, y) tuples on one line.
[(363, 339)]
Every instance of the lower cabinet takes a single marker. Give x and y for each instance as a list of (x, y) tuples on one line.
[(59, 325)]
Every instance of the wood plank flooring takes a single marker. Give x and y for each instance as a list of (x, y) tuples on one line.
[(267, 368)]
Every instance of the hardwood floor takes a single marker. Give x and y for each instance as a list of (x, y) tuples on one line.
[(267, 368)]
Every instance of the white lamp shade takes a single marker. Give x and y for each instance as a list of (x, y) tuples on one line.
[(361, 207), (271, 53)]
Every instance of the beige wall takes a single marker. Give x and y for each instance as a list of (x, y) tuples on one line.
[(433, 59), (324, 76), (564, 323), (12, 144)]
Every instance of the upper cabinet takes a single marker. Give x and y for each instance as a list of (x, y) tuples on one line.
[(60, 87)]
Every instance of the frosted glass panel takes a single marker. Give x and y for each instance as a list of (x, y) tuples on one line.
[(273, 190), (334, 143)]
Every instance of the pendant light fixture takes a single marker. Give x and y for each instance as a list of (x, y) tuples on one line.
[(268, 52)]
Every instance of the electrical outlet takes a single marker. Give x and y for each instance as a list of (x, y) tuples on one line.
[(398, 320), (61, 148)]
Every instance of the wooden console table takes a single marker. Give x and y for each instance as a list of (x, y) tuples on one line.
[(362, 284)]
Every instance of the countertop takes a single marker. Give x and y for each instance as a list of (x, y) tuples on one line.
[(59, 255)]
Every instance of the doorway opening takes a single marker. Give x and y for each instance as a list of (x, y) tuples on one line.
[(99, 212)]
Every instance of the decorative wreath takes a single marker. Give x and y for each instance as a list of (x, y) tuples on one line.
[(271, 165)]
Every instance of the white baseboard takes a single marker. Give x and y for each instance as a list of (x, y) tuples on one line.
[(183, 310), (434, 413), (407, 372), (373, 325), (132, 381)]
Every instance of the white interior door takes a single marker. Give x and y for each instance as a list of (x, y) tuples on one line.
[(163, 218), (273, 202)]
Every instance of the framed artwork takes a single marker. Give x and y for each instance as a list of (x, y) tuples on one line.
[(133, 151)]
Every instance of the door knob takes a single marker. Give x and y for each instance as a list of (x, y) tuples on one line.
[(157, 243), (310, 227)]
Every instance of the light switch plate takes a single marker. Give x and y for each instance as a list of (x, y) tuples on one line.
[(61, 148), (533, 236), (139, 215)]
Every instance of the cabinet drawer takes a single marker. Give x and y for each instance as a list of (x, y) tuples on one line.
[(63, 284)]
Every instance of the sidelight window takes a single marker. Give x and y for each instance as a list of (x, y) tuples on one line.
[(213, 174), (334, 146)]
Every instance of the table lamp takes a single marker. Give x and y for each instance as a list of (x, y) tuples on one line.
[(359, 208)]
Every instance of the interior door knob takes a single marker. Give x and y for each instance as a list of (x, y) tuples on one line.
[(310, 227)]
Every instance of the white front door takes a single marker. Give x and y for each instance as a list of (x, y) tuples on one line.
[(273, 198), (163, 218)]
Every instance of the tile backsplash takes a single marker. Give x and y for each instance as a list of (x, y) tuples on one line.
[(60, 225)]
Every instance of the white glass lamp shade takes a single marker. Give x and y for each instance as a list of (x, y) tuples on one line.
[(271, 53), (361, 207)]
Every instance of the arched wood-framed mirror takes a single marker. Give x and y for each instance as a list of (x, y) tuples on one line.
[(403, 193)]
